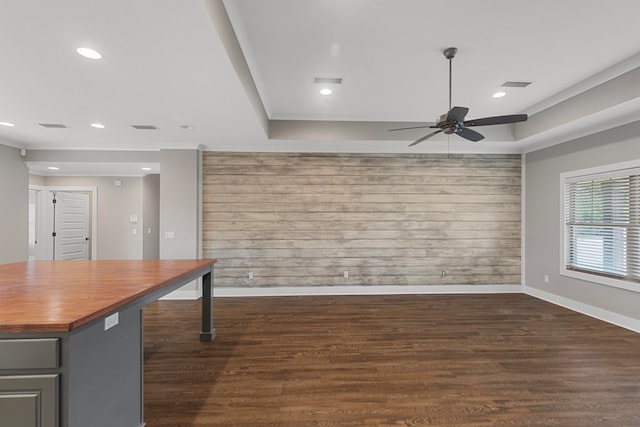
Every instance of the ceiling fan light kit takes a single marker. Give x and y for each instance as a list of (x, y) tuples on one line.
[(453, 121)]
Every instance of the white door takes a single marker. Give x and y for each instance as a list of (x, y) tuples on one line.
[(44, 225), (71, 226)]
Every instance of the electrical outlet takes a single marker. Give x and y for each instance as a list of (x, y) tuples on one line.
[(346, 274), (546, 278), (111, 321), (251, 275)]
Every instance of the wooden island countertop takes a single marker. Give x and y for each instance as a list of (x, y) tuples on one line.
[(59, 296)]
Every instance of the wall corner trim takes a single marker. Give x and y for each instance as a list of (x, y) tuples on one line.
[(586, 309)]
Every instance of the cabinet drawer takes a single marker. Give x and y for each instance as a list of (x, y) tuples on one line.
[(32, 353)]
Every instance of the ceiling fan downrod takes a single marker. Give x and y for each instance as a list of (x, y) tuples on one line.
[(450, 53)]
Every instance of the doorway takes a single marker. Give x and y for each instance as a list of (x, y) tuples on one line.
[(62, 223)]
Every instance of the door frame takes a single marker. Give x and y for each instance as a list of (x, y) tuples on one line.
[(94, 207)]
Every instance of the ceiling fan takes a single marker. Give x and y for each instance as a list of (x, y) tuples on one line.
[(454, 122)]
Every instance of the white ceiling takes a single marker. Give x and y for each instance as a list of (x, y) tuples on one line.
[(171, 63), (163, 64), (389, 53), (121, 169)]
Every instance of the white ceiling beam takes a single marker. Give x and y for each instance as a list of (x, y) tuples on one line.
[(224, 28)]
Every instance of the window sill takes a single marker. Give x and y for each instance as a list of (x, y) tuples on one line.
[(601, 280)]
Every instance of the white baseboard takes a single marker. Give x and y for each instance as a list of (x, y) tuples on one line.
[(364, 290), (589, 310)]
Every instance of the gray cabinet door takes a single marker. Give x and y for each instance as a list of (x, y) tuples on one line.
[(29, 400)]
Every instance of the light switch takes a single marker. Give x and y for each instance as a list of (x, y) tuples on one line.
[(169, 235), (133, 218)]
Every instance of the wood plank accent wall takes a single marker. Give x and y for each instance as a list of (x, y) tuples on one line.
[(401, 219)]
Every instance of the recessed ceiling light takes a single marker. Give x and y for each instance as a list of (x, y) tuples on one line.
[(146, 169), (8, 124), (89, 53), (97, 125), (499, 94), (326, 91), (53, 168)]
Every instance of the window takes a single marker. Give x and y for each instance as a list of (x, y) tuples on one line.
[(602, 225)]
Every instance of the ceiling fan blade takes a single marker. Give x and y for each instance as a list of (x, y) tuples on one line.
[(469, 134), (457, 114), (430, 125), (425, 137), (497, 120)]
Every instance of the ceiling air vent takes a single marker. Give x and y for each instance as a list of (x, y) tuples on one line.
[(328, 80), (516, 84), (144, 127), (53, 125)]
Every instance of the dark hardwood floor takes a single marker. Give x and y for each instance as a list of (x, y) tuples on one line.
[(442, 360)]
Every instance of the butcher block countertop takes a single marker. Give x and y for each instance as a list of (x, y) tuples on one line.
[(59, 296)]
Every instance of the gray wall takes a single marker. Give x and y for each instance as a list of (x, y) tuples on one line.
[(179, 196), (115, 206), (180, 209), (14, 215), (37, 180), (542, 234), (151, 216)]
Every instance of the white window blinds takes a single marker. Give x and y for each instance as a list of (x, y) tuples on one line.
[(602, 225)]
